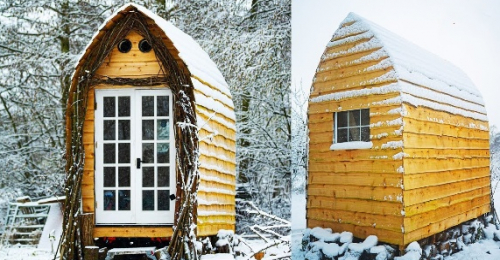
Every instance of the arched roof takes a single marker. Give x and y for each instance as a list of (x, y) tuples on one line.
[(422, 78), (206, 77)]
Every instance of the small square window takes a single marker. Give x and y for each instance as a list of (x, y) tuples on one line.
[(352, 126)]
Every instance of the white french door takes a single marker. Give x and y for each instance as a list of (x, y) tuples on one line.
[(134, 157)]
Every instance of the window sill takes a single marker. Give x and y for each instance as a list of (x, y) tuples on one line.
[(351, 146)]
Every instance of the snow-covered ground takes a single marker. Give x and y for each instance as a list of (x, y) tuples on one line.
[(485, 249)]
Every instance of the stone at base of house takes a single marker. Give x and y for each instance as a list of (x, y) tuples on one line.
[(322, 244)]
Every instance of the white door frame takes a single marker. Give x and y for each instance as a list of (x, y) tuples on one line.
[(134, 213)]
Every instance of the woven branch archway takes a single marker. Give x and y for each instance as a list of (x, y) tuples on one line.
[(172, 75)]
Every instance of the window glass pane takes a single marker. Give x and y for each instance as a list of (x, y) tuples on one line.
[(109, 107), (109, 130), (163, 129), (123, 129), (163, 177), (365, 134), (342, 119), (162, 106), (354, 134), (365, 116), (148, 176), (148, 106), (109, 153), (109, 177), (123, 106), (124, 153), (124, 176), (163, 200), (124, 200), (163, 153), (354, 118), (342, 135), (148, 130), (148, 153), (148, 200), (109, 200)]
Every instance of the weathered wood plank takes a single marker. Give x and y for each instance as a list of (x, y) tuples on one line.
[(387, 222), (352, 103), (446, 153), (420, 195), (372, 165), (428, 114), (356, 192), (421, 180), (427, 165), (371, 79), (413, 140), (419, 126), (347, 72), (357, 178), (445, 224), (131, 231), (422, 220), (445, 202), (326, 201)]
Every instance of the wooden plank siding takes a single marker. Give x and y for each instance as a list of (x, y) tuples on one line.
[(354, 190), (437, 179), (446, 171)]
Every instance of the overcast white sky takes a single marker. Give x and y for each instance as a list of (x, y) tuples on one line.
[(464, 32)]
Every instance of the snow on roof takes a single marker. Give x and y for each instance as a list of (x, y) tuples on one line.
[(410, 61), (423, 79), (196, 59)]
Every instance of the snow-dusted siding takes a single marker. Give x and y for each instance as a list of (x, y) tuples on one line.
[(214, 113), (429, 135)]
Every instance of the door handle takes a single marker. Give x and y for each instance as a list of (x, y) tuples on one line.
[(138, 163)]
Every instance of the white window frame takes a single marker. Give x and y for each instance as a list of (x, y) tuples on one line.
[(349, 145)]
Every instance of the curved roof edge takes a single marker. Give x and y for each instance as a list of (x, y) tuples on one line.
[(411, 62), (196, 59)]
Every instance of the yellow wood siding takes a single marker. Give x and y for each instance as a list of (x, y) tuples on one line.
[(354, 190), (437, 175), (446, 178), (134, 64)]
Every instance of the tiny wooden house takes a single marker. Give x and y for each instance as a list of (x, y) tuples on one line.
[(135, 78), (398, 139)]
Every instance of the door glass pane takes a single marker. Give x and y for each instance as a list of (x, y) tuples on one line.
[(163, 200), (162, 106), (109, 153), (109, 130), (148, 176), (123, 106), (124, 176), (163, 153), (124, 200), (148, 127), (148, 200), (109, 177), (148, 106), (109, 200), (148, 153), (124, 153), (163, 129), (109, 107), (163, 177), (123, 129)]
